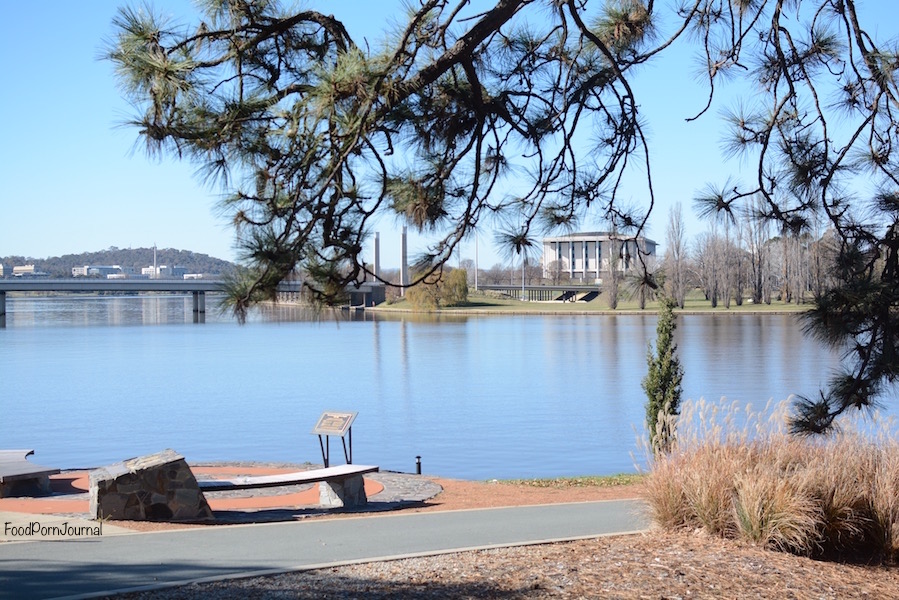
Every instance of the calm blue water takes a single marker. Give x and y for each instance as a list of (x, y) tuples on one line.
[(90, 381)]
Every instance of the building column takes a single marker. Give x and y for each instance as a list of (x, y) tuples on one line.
[(571, 260), (584, 252)]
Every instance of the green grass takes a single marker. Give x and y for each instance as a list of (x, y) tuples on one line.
[(585, 481), (478, 302)]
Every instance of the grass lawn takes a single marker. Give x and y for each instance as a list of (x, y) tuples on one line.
[(479, 302), (585, 481)]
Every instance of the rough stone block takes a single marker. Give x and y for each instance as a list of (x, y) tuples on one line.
[(347, 493), (155, 487)]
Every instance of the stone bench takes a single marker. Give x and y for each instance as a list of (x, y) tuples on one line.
[(339, 487), (18, 477), (162, 487)]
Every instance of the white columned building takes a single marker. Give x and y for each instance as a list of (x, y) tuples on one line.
[(586, 256)]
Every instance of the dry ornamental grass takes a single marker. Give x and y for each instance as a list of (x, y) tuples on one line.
[(742, 508), (828, 497)]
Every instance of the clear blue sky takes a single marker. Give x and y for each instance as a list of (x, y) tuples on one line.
[(73, 180)]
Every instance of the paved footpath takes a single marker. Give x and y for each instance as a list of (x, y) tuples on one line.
[(89, 567)]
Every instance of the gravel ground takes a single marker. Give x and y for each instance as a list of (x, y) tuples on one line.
[(658, 565)]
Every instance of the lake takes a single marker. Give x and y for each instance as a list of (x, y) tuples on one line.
[(90, 381)]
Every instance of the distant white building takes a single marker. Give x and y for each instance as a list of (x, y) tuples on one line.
[(163, 272), (23, 270), (101, 270), (27, 271), (586, 256)]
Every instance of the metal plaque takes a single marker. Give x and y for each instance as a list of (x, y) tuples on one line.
[(334, 423)]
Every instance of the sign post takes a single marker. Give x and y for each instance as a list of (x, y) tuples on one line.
[(337, 423)]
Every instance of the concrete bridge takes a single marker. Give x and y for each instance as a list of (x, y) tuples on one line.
[(197, 287)]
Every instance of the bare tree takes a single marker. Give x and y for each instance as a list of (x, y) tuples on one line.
[(497, 275), (676, 256), (707, 265), (468, 265), (557, 271), (534, 274), (756, 234), (739, 263)]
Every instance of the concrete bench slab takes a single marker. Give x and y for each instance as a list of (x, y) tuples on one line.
[(19, 477), (340, 487)]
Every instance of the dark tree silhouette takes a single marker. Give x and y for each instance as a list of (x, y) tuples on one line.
[(314, 136)]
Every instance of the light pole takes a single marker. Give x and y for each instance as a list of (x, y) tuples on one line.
[(476, 262), (524, 262)]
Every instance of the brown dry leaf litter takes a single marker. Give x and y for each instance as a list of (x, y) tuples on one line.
[(656, 565)]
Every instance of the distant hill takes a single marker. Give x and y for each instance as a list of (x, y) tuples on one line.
[(138, 258)]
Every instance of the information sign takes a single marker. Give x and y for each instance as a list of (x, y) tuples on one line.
[(334, 423)]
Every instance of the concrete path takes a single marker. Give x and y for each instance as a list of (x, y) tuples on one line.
[(89, 566)]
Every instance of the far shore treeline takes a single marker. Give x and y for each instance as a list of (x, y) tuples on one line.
[(137, 258)]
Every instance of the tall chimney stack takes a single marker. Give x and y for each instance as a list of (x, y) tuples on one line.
[(404, 265), (377, 268)]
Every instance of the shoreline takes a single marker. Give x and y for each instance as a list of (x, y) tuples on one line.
[(486, 303), (481, 305), (580, 312)]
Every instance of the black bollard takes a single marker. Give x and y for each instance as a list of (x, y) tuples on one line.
[(418, 465)]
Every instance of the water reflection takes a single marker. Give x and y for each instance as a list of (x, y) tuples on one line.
[(480, 397)]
